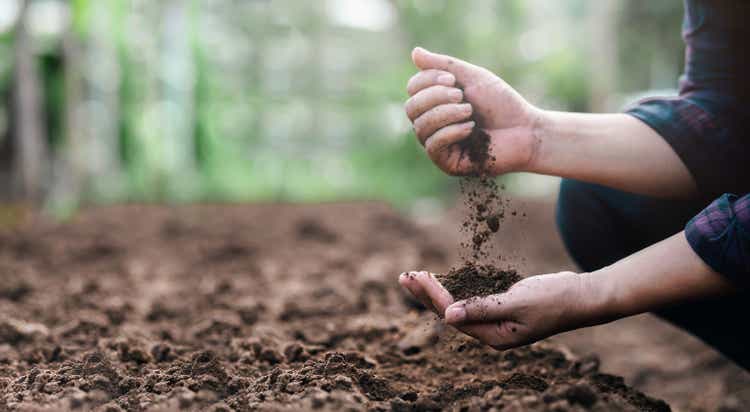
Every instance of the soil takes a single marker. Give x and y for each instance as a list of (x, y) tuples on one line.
[(478, 274), (477, 280), (265, 307)]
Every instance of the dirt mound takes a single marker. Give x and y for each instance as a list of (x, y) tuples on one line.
[(477, 280), (246, 308)]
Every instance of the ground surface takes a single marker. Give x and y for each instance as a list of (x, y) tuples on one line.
[(653, 356), (255, 307)]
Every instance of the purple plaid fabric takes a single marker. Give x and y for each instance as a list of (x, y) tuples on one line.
[(720, 235), (706, 124)]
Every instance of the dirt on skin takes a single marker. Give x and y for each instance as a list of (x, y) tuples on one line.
[(266, 307)]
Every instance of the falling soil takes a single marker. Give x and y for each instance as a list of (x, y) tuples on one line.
[(478, 274), (477, 280), (247, 308)]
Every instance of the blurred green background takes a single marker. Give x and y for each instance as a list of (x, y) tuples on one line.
[(286, 100)]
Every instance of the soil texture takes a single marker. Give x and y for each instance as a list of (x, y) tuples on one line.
[(266, 307), (477, 280)]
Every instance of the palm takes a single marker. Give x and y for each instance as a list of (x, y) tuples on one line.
[(434, 296)]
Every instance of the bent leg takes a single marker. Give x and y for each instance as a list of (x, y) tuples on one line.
[(600, 226)]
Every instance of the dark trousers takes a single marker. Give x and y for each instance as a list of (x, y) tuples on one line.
[(600, 225)]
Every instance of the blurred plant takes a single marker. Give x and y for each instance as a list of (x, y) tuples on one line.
[(198, 100)]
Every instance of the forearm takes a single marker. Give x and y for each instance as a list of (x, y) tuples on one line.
[(615, 150), (663, 274)]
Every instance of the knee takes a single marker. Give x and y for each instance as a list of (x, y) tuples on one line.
[(586, 225), (571, 193)]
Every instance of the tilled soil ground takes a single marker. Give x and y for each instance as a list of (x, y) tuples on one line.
[(266, 307)]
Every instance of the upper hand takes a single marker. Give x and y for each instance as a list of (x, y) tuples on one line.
[(533, 309), (447, 93)]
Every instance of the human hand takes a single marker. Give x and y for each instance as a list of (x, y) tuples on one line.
[(447, 93), (533, 309)]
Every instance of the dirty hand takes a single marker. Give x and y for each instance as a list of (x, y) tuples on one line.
[(448, 93), (533, 309)]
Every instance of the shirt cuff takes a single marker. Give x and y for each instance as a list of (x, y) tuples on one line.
[(694, 134), (720, 235)]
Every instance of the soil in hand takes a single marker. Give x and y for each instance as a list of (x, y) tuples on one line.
[(477, 280)]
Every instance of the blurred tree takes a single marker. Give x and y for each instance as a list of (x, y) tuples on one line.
[(185, 100), (650, 49), (31, 152), (603, 19)]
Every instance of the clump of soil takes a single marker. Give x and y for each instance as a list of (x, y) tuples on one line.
[(477, 147), (477, 280)]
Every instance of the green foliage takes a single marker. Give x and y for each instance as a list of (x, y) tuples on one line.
[(249, 100)]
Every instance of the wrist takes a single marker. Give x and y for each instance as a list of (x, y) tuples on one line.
[(603, 302), (541, 129)]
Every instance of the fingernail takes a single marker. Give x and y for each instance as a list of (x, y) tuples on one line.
[(455, 314), (447, 79), (457, 94), (466, 107)]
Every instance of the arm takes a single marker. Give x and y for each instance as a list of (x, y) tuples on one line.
[(540, 306), (615, 150), (663, 274)]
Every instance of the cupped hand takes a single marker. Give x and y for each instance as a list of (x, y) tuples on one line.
[(448, 95), (534, 308)]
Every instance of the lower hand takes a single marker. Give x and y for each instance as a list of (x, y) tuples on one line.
[(534, 308)]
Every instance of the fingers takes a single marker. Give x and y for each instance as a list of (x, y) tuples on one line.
[(425, 60), (439, 117), (431, 97), (447, 136), (427, 78), (439, 297), (425, 287), (410, 283)]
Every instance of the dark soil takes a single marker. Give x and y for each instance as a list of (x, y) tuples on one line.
[(479, 274), (477, 280), (484, 212), (254, 308), (476, 147)]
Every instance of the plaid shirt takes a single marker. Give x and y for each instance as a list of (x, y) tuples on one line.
[(707, 126), (720, 235)]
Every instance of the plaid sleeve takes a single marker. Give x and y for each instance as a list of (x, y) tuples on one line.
[(720, 235), (705, 135)]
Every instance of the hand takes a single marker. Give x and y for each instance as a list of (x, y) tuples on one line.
[(533, 309), (447, 93)]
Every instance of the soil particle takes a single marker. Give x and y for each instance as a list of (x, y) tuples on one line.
[(524, 381), (311, 229)]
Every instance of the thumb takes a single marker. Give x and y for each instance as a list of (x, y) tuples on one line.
[(424, 60), (492, 308)]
